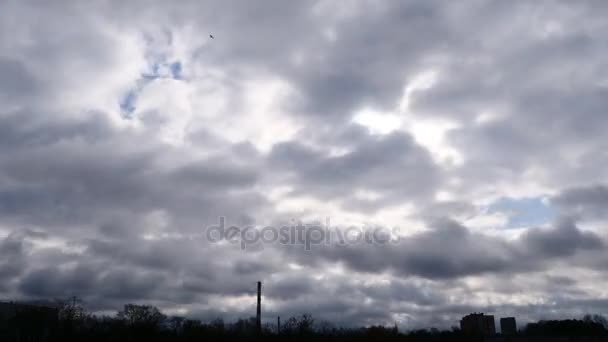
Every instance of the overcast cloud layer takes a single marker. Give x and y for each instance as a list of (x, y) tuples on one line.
[(478, 128)]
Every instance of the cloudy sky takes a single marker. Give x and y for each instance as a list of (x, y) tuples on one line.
[(477, 128)]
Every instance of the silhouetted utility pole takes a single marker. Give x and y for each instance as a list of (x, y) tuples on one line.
[(258, 321), (278, 324)]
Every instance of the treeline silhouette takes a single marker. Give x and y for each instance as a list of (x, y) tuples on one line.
[(69, 321)]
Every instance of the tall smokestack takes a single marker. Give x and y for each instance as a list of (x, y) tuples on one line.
[(258, 320)]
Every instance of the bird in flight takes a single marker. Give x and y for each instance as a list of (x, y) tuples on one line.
[(211, 36)]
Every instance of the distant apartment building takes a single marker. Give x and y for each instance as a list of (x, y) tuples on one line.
[(508, 326), (478, 324)]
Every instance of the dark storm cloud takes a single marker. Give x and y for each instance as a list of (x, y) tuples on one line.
[(194, 267), (79, 170), (291, 287), (450, 250), (590, 201), (564, 240), (108, 274), (24, 130), (216, 173), (439, 209), (16, 79), (13, 260), (54, 283), (394, 166), (447, 251), (110, 285), (423, 295), (352, 70)]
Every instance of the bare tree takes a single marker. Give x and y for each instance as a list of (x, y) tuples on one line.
[(141, 316)]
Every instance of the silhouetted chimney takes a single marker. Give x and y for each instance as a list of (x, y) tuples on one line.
[(258, 320)]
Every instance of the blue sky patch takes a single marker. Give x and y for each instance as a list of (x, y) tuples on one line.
[(127, 103), (164, 70), (176, 69), (523, 212)]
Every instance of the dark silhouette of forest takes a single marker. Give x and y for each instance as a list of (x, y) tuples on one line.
[(69, 321)]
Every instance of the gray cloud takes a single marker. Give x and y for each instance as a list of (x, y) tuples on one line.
[(13, 260), (563, 240), (589, 202), (393, 166), (450, 251)]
